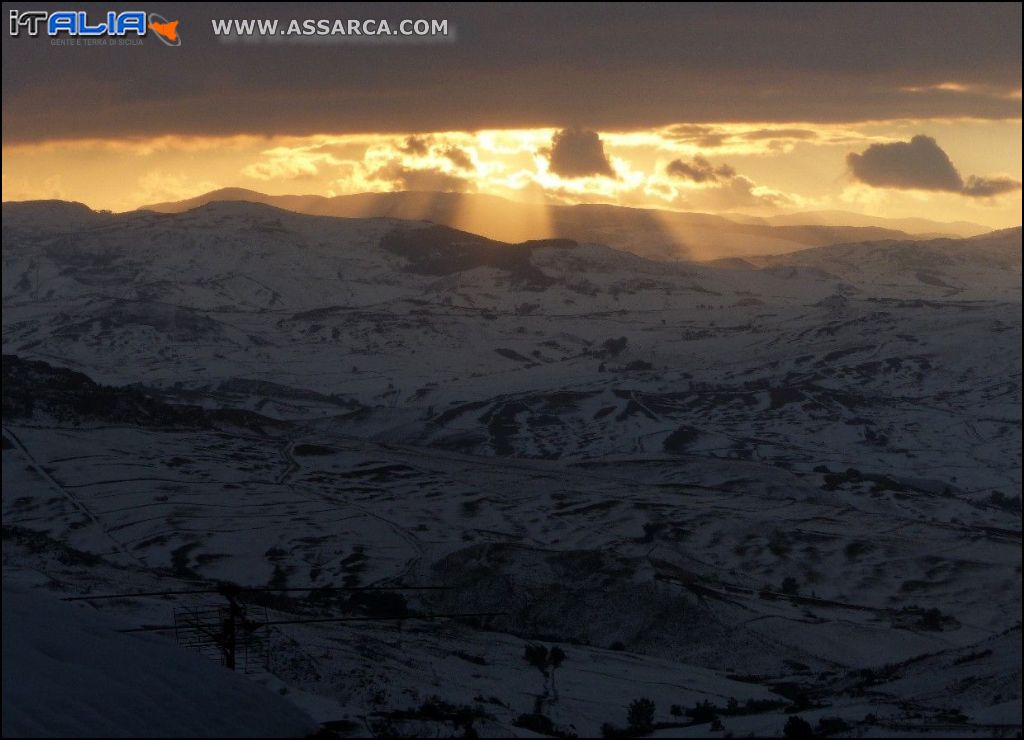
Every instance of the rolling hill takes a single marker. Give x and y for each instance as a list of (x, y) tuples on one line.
[(655, 234)]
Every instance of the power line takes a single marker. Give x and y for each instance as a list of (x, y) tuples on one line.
[(454, 615), (232, 630), (240, 589)]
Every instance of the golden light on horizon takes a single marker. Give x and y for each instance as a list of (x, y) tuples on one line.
[(770, 168)]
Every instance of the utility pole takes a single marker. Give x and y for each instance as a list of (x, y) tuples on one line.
[(229, 629), (234, 621)]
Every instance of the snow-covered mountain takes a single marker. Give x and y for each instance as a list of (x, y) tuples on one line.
[(790, 480), (652, 233), (985, 266), (919, 227)]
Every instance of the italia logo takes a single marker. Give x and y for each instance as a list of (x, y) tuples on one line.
[(79, 23)]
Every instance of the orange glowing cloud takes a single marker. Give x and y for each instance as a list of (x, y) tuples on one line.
[(756, 168)]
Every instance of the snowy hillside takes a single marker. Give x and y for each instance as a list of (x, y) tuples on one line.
[(962, 268), (68, 673), (652, 233), (792, 481)]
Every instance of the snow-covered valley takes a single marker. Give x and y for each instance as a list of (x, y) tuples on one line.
[(791, 480)]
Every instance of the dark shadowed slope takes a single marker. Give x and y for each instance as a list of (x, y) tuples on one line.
[(650, 233)]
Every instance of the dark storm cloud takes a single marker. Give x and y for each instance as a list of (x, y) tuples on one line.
[(615, 66), (578, 153), (921, 164), (699, 170), (918, 164)]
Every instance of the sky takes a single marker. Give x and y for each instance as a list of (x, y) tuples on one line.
[(889, 110)]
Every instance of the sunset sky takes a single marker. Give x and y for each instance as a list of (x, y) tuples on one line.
[(888, 110)]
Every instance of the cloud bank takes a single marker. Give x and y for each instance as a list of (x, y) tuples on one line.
[(755, 63)]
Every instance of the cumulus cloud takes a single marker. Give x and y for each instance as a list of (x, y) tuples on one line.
[(699, 170), (988, 187), (459, 158), (920, 164), (721, 187), (578, 153)]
